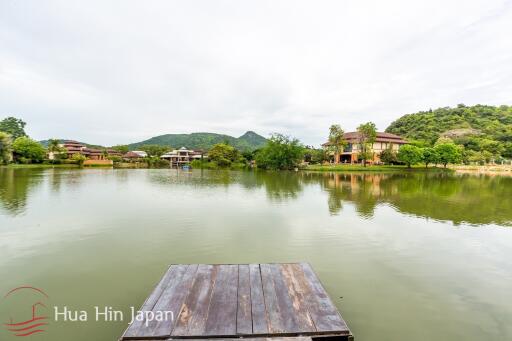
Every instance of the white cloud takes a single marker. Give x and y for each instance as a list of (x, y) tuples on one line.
[(120, 72)]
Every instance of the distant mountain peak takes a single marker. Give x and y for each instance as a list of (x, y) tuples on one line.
[(204, 140)]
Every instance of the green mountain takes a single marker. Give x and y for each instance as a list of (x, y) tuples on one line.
[(479, 128), (248, 141)]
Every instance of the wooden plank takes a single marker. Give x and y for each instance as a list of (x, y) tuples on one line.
[(192, 319), (174, 274), (274, 317), (321, 309), (222, 313), (294, 312), (260, 323), (244, 315), (171, 300)]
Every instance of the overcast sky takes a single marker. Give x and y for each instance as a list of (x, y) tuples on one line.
[(114, 72)]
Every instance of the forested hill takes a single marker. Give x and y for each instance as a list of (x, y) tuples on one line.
[(248, 141), (479, 128)]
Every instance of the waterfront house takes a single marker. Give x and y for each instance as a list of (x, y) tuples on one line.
[(183, 156), (135, 155), (350, 153), (94, 156)]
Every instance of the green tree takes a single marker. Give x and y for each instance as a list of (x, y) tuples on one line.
[(430, 156), (367, 133), (388, 156), (280, 152), (448, 153), (27, 150), (336, 139), (13, 126), (78, 158), (224, 155), (410, 155), (154, 149), (121, 148), (5, 148)]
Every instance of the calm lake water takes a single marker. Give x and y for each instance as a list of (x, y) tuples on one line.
[(408, 256)]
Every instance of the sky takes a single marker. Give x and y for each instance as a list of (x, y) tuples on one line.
[(116, 72)]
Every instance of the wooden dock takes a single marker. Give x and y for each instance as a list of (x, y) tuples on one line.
[(250, 301)]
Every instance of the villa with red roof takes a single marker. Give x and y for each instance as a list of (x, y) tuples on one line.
[(382, 142)]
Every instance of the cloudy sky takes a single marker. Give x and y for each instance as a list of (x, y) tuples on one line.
[(113, 72)]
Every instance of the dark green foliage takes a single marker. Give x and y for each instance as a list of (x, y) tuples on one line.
[(224, 155), (280, 152), (315, 156), (410, 155), (478, 128), (388, 156), (27, 150), (204, 141), (121, 148), (13, 126)]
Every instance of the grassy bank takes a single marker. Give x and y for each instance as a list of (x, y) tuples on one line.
[(379, 168)]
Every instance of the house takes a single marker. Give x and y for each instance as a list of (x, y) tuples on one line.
[(73, 147), (182, 156), (135, 155), (94, 156), (382, 142)]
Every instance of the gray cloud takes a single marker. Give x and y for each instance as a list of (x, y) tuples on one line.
[(118, 72)]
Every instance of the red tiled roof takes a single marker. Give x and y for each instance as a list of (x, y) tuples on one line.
[(131, 155), (352, 137)]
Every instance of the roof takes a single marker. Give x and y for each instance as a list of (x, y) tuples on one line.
[(132, 155), (352, 137)]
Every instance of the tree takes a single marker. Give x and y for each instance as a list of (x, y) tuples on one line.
[(336, 140), (55, 148), (5, 148), (280, 152), (27, 150), (224, 155), (388, 156), (367, 133), (79, 158), (410, 155), (121, 148), (154, 149), (447, 153), (430, 156), (13, 126)]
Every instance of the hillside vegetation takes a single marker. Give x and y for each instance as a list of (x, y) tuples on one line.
[(480, 129), (247, 142)]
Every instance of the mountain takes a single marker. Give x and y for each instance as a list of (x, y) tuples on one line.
[(479, 128), (248, 141)]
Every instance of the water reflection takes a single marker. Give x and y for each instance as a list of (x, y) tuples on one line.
[(473, 199)]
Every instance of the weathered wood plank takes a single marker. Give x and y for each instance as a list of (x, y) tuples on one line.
[(259, 315), (321, 309), (192, 319), (173, 275), (171, 300), (223, 305), (275, 319), (244, 315), (295, 314)]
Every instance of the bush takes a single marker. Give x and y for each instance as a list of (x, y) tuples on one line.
[(410, 155)]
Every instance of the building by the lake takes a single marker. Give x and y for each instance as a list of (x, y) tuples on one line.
[(183, 156), (93, 155), (382, 142)]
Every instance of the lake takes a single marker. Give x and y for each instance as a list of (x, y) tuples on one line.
[(404, 256)]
